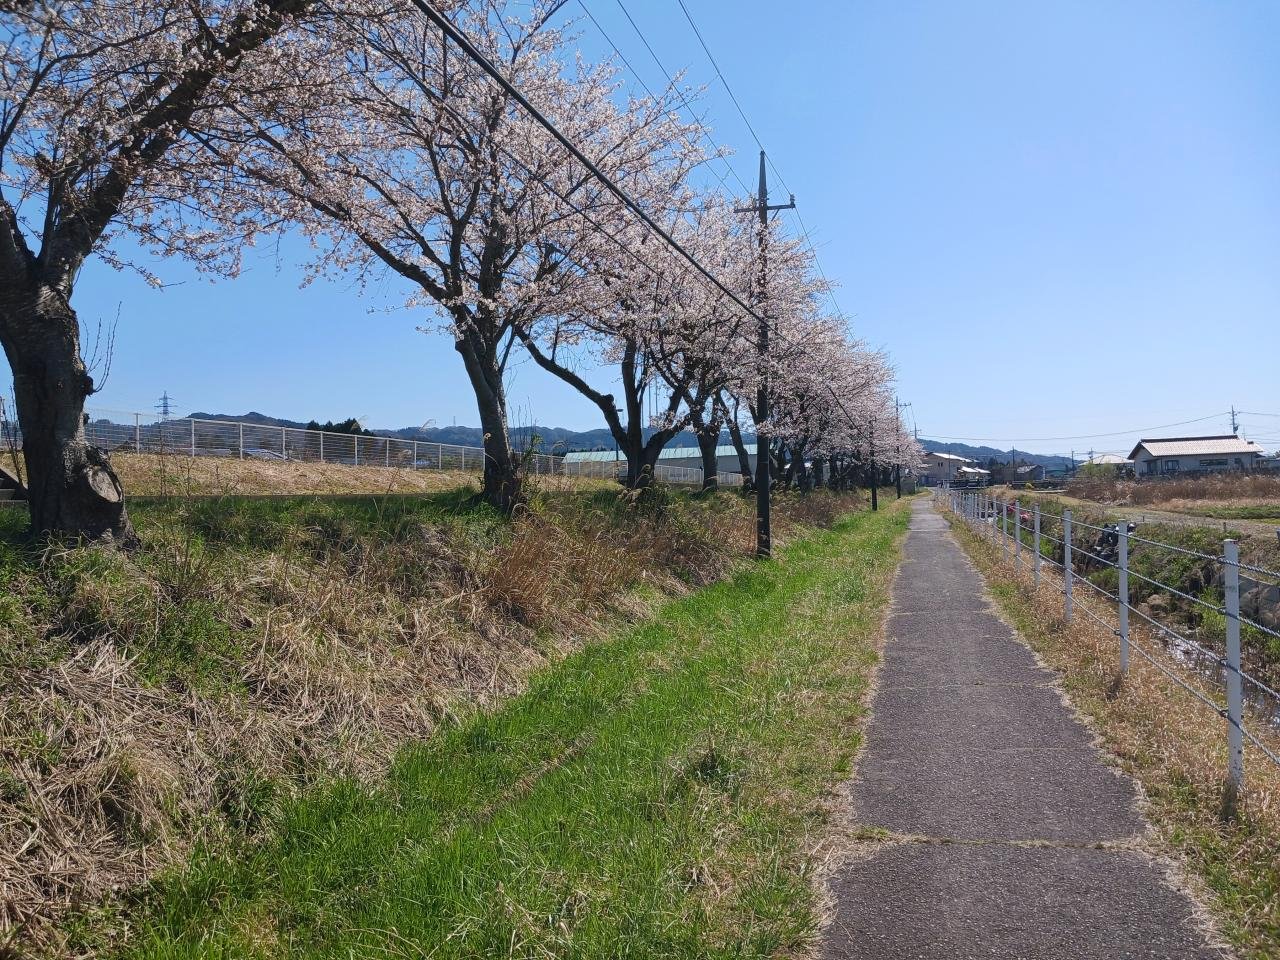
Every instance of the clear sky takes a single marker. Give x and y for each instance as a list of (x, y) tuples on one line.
[(1058, 218)]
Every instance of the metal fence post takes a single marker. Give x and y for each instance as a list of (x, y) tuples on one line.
[(387, 448), (463, 450), (242, 440), (355, 446), (1017, 531), (1036, 541), (137, 433), (1004, 530), (440, 455), (284, 451), (193, 437), (322, 446), (1235, 702), (1067, 572), (1122, 552), (415, 454)]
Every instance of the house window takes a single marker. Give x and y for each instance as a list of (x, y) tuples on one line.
[(1210, 464), (1169, 466)]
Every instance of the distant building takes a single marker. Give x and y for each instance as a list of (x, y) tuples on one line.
[(1029, 473), (943, 468), (1107, 460), (726, 458), (1104, 465), (971, 475), (1168, 456)]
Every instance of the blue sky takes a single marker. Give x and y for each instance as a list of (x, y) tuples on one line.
[(1059, 219)]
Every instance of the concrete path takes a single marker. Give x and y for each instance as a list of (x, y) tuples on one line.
[(1008, 836)]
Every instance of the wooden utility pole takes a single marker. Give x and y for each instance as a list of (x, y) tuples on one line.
[(764, 537)]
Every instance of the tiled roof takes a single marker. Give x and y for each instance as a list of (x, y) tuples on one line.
[(951, 456), (1222, 446)]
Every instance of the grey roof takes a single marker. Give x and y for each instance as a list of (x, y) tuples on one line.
[(950, 456), (1219, 446), (668, 453), (1107, 459)]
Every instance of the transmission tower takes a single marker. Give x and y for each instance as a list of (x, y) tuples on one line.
[(164, 406)]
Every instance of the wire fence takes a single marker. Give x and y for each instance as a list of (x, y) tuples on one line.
[(121, 431), (1246, 597)]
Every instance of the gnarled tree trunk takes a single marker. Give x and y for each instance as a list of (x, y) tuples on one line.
[(72, 488), (502, 484)]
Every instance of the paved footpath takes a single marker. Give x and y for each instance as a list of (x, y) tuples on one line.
[(1008, 836)]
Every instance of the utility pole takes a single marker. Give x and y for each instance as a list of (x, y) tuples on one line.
[(764, 536), (1235, 422), (897, 447)]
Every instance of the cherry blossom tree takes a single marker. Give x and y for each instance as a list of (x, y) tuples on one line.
[(102, 102), (414, 161), (657, 326)]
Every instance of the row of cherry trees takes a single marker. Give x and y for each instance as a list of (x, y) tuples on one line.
[(193, 127)]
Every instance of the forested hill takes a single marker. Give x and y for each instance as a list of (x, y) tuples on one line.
[(983, 454), (553, 439)]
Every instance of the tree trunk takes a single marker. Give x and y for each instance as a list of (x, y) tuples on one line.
[(72, 488), (502, 484), (708, 443), (744, 459), (708, 433)]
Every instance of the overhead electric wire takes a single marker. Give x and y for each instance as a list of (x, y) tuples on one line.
[(684, 101), (1083, 436), (453, 33), (466, 46), (671, 80), (804, 230)]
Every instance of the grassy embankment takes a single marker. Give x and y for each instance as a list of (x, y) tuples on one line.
[(653, 795), (1173, 744), (178, 695)]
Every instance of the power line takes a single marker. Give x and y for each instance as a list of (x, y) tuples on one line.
[(772, 166), (453, 33), (671, 80), (684, 101), (728, 89), (1082, 436), (467, 47)]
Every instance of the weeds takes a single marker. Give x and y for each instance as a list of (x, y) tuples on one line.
[(175, 695), (1168, 740), (652, 795)]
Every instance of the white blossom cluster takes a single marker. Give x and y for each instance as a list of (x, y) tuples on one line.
[(199, 126)]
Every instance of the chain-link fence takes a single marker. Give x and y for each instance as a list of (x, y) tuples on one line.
[(121, 431)]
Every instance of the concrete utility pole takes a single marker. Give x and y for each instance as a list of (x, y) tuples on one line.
[(1235, 422), (764, 537), (897, 447)]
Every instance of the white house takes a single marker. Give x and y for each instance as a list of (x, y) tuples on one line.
[(1173, 455), (943, 467)]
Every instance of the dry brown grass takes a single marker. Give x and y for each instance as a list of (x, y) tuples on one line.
[(1174, 745), (1227, 489), (153, 700), (148, 474)]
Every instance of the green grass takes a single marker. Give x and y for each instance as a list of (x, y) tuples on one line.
[(651, 796)]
